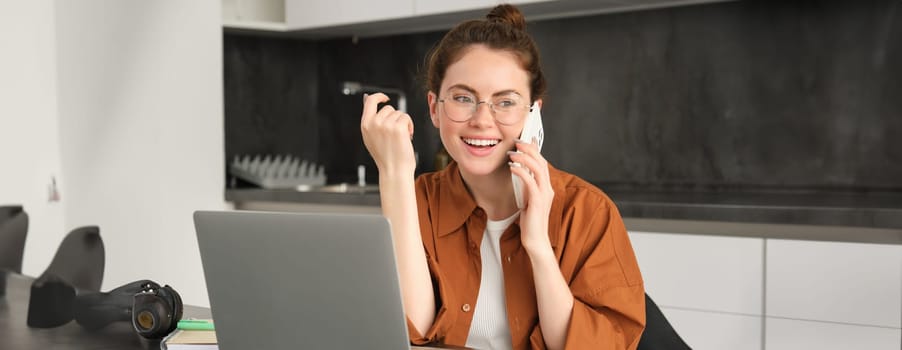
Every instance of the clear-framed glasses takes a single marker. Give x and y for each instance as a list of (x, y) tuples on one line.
[(507, 109)]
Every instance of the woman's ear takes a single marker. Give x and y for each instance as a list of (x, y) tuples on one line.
[(539, 101), (432, 99)]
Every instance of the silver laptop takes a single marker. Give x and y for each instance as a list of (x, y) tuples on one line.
[(301, 280)]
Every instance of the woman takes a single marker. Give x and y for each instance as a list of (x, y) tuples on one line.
[(476, 270)]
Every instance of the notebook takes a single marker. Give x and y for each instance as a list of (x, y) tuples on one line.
[(181, 339), (301, 280)]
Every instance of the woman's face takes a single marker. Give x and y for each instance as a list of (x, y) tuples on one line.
[(479, 145)]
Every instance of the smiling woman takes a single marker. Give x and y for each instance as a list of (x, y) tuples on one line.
[(475, 269)]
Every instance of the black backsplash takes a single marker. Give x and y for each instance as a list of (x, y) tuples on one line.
[(271, 89), (388, 62), (740, 95)]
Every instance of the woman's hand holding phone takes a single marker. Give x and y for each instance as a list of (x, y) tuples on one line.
[(532, 183), (532, 169), (387, 134)]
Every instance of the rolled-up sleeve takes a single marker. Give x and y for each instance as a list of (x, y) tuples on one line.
[(608, 326), (443, 319)]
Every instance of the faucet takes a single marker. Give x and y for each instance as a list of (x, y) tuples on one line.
[(353, 87)]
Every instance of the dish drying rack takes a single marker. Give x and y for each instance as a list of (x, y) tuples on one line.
[(278, 172)]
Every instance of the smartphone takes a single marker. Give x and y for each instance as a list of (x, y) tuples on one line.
[(531, 129)]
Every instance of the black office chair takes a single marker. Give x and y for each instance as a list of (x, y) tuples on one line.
[(659, 334), (76, 268), (80, 259), (13, 229)]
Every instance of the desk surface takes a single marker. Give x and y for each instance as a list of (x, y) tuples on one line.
[(15, 333)]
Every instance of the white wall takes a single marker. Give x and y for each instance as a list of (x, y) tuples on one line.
[(141, 130), (29, 135), (122, 102)]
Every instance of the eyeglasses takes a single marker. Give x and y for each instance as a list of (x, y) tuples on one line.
[(507, 109)]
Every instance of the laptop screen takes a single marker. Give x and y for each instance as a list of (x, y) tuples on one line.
[(301, 280)]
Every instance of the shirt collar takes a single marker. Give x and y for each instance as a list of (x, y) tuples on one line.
[(456, 204)]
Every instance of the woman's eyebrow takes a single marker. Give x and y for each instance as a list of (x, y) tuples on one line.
[(473, 91), (505, 92), (462, 87)]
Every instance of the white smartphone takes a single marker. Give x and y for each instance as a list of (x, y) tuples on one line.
[(532, 128)]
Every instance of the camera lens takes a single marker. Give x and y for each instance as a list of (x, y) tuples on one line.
[(156, 312), (145, 320)]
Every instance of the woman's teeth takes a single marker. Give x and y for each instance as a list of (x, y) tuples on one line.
[(481, 142)]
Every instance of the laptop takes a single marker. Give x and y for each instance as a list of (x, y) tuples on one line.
[(301, 280)]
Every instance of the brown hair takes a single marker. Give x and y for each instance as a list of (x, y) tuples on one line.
[(503, 28)]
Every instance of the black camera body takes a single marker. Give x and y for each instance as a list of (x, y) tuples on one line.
[(154, 311)]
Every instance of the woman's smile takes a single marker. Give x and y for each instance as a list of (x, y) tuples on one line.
[(480, 146)]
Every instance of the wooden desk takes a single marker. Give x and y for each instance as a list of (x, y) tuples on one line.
[(15, 333)]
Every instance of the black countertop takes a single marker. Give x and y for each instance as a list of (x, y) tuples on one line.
[(875, 211), (872, 209), (312, 197)]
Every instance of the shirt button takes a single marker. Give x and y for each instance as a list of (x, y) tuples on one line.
[(465, 307), (508, 258)]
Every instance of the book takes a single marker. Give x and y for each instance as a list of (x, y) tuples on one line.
[(183, 339)]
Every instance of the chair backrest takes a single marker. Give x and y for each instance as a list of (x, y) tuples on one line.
[(80, 259), (659, 334), (13, 229)]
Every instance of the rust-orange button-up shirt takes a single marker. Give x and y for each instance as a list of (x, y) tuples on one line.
[(588, 239)]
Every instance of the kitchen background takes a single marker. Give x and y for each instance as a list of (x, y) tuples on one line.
[(750, 95), (794, 103)]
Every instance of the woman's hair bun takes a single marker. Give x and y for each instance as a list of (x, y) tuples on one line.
[(507, 14)]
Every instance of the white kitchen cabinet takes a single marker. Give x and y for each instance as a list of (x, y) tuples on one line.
[(334, 18), (301, 15), (786, 334), (702, 272), (254, 14), (253, 10), (431, 7), (852, 283), (703, 330)]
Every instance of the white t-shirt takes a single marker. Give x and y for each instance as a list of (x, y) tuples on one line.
[(489, 329)]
